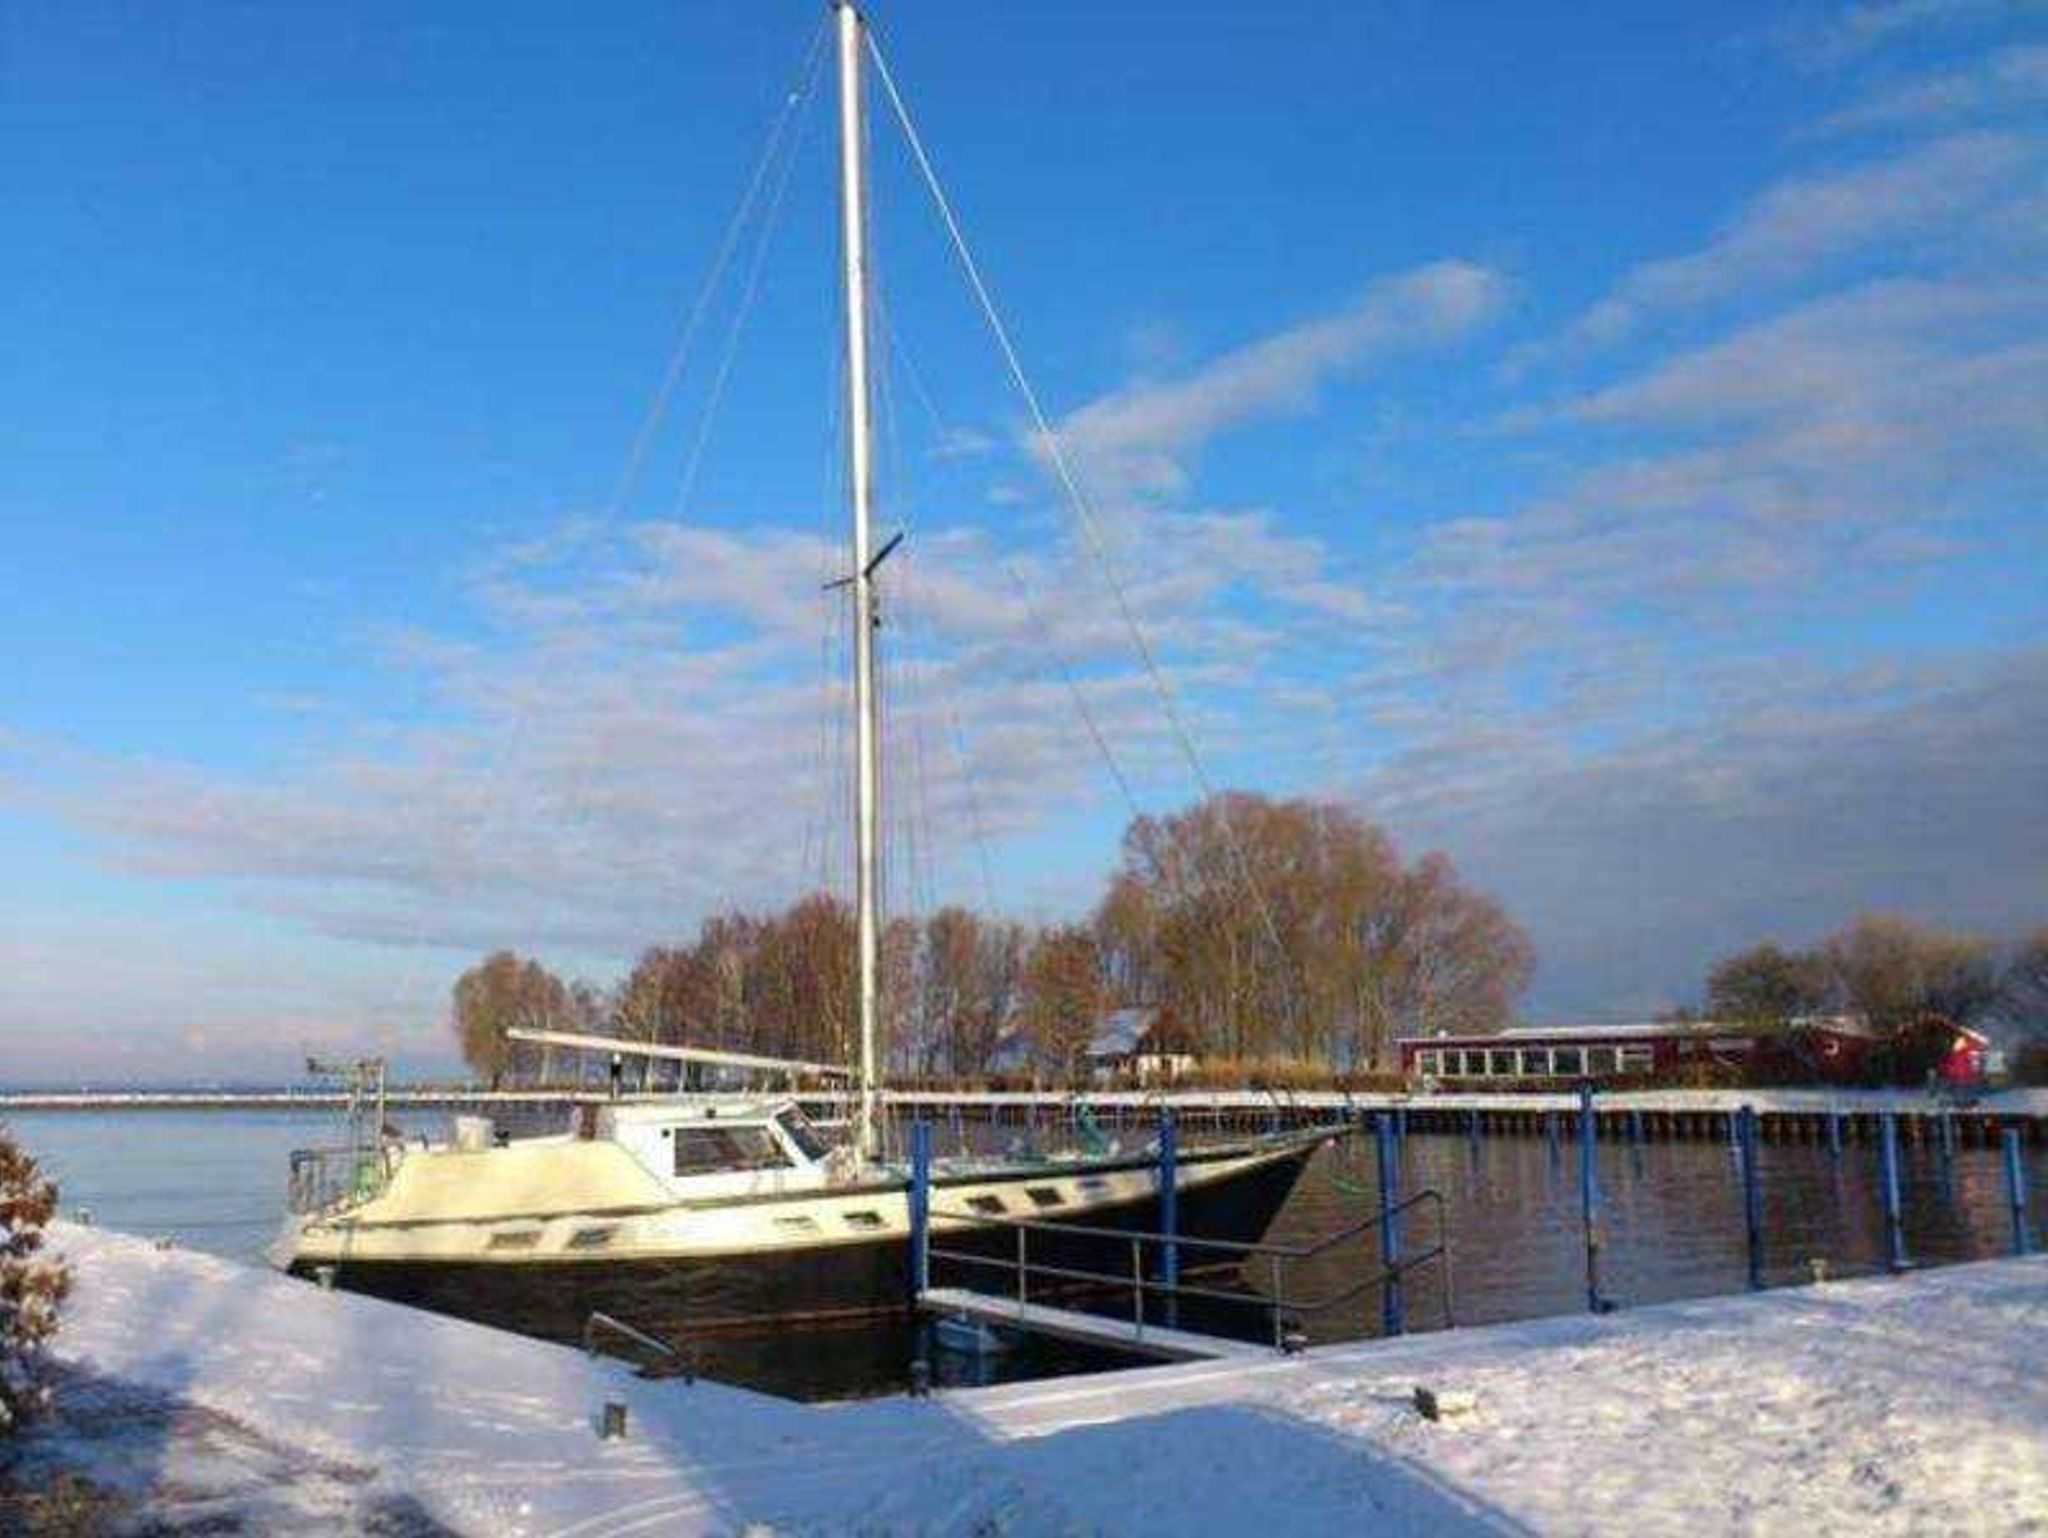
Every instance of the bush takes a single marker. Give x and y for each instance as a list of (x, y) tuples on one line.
[(32, 1284)]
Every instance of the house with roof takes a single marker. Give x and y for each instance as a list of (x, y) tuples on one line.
[(1140, 1041)]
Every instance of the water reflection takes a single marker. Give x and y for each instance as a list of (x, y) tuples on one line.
[(1672, 1224)]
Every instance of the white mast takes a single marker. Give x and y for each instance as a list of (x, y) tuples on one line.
[(853, 224)]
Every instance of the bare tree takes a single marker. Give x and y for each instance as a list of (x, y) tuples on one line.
[(1765, 985), (502, 991), (1893, 970), (1291, 928), (2022, 1001), (1063, 997)]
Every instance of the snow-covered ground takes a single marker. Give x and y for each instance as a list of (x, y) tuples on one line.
[(1911, 1405)]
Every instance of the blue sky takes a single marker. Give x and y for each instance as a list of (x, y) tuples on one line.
[(1606, 444)]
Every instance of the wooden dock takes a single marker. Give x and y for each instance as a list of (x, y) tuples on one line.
[(1089, 1329)]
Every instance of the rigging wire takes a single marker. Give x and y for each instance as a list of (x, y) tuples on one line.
[(693, 318), (1077, 500), (744, 308), (1039, 623)]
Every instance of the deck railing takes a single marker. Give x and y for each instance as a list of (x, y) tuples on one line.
[(1270, 1262), (323, 1179)]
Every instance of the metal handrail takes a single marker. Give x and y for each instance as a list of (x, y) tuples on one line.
[(1277, 1256), (599, 1321)]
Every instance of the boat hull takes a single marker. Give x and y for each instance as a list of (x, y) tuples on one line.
[(691, 1297)]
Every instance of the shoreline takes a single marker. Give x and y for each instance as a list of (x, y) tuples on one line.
[(1886, 1404)]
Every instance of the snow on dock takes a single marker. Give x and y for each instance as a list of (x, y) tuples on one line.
[(1917, 1403)]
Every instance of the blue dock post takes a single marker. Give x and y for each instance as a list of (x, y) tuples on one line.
[(1752, 1195), (920, 1207), (1383, 1127), (1894, 1225), (1550, 1133), (1835, 1133), (1472, 1127), (1169, 1209), (1635, 1129), (1401, 1124), (1589, 1197), (2016, 1190)]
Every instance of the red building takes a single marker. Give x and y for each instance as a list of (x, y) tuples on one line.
[(1835, 1050)]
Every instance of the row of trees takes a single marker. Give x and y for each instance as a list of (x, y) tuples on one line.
[(1265, 929), (1893, 972)]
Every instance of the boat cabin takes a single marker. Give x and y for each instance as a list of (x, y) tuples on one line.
[(721, 1145)]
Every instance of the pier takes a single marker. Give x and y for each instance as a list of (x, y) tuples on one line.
[(415, 1098), (1816, 1116)]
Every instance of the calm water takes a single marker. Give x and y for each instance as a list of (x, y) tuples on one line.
[(1672, 1224)]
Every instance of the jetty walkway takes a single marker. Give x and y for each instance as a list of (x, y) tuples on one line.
[(1902, 1404), (1783, 1115)]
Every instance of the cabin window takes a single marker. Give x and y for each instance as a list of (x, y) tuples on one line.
[(987, 1204), (520, 1239), (1637, 1059), (1536, 1062), (1475, 1062), (1501, 1063), (864, 1220), (797, 1225), (591, 1238), (800, 1132), (1601, 1060), (1567, 1060), (1426, 1064), (1043, 1196), (717, 1150), (1092, 1183)]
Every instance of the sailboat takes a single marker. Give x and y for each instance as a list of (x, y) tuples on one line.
[(736, 1211)]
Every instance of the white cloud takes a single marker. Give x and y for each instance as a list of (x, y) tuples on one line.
[(1842, 36), (1810, 796), (2007, 80), (1139, 439), (1794, 230)]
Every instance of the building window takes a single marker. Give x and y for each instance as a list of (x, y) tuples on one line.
[(1566, 1060), (1536, 1062), (1601, 1060), (1501, 1063), (1638, 1059)]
